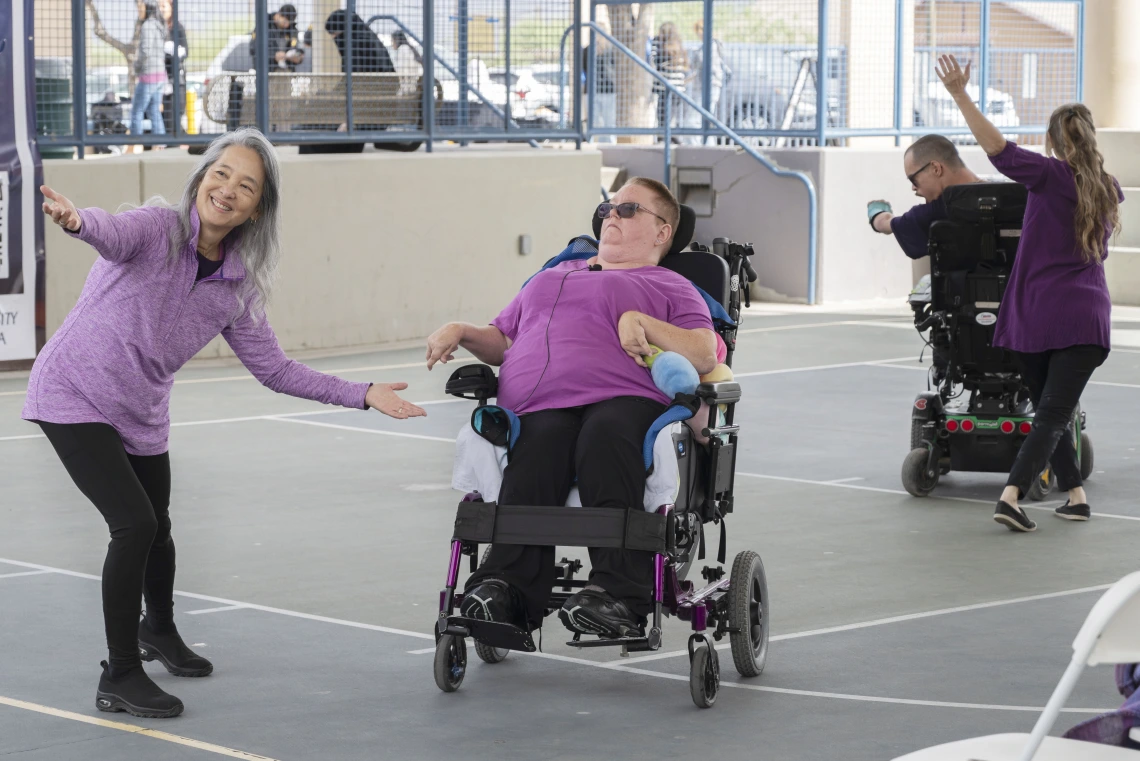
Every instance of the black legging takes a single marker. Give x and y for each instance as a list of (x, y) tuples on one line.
[(133, 494), (600, 444), (1055, 380)]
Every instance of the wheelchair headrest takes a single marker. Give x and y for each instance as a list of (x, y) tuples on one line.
[(682, 236), (969, 203)]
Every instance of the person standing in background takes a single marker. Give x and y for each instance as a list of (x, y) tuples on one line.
[(175, 50)]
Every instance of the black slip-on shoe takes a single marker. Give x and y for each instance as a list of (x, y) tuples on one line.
[(491, 600), (168, 649), (135, 693), (596, 612), (1080, 512), (1013, 518)]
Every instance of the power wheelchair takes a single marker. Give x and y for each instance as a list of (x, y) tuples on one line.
[(733, 604), (979, 412)]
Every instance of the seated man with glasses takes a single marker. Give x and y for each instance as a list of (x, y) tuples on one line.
[(932, 164), (572, 347)]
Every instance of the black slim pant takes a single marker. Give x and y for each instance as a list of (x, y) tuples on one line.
[(133, 494), (1055, 380), (600, 444)]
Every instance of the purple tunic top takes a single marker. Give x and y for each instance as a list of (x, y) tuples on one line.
[(568, 316), (1054, 298), (139, 319)]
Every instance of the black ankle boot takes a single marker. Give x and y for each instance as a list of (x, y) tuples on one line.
[(168, 649), (134, 692)]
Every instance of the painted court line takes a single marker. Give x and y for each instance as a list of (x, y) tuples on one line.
[(624, 664), (787, 370), (909, 325), (132, 729), (214, 610), (1040, 506), (890, 620), (22, 573), (375, 431)]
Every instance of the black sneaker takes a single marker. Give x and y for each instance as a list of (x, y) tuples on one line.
[(1080, 512), (491, 600), (168, 649), (134, 692), (596, 612), (1013, 518)]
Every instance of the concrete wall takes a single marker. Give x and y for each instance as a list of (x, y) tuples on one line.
[(378, 247), (754, 205)]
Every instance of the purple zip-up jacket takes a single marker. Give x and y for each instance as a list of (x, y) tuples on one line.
[(140, 319)]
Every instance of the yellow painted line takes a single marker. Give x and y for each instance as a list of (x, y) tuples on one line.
[(165, 736)]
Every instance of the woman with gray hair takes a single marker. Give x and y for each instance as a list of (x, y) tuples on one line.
[(168, 280)]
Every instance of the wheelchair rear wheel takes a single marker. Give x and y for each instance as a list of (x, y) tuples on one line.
[(450, 662), (748, 613), (704, 676)]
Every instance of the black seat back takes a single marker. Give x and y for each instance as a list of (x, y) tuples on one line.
[(704, 269), (972, 253)]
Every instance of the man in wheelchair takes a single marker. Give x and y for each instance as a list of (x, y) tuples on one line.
[(571, 347)]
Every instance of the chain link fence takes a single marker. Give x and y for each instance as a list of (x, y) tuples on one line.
[(113, 75)]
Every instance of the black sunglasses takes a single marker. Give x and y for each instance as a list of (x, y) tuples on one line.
[(920, 171), (626, 210)]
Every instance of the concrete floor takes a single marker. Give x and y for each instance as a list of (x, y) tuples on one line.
[(315, 540)]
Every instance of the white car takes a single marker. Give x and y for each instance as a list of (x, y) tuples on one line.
[(538, 100), (938, 109)]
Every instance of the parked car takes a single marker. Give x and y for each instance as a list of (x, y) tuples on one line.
[(936, 108), (538, 100)]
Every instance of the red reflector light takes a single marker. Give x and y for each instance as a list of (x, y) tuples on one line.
[(1007, 426), (1026, 427), (951, 425), (967, 426)]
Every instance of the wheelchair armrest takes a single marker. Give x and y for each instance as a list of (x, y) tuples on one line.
[(476, 382), (719, 393)]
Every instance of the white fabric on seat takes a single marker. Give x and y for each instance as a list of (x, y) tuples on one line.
[(1009, 747), (479, 467)]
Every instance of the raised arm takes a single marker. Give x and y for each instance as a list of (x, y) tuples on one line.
[(955, 79), (486, 342), (117, 237)]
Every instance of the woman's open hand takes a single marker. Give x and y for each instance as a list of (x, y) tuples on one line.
[(631, 333), (442, 344), (952, 75), (61, 210), (382, 397)]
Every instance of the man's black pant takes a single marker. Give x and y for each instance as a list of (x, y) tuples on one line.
[(133, 494), (600, 444), (1055, 380)]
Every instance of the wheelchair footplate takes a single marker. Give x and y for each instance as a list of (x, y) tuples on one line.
[(490, 633), (627, 644)]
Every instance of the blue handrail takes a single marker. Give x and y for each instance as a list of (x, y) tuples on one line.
[(813, 205)]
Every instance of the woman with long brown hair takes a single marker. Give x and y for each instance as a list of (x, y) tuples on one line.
[(672, 60), (1056, 313)]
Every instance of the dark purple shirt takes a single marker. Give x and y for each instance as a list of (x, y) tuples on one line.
[(1054, 299), (912, 229)]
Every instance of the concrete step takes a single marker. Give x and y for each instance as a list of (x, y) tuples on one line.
[(609, 177), (1122, 271)]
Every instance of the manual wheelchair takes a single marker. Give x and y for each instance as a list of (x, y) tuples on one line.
[(979, 412), (733, 604)]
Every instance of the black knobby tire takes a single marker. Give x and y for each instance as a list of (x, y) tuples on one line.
[(916, 438), (450, 662), (915, 478), (704, 677), (748, 612), (1087, 459)]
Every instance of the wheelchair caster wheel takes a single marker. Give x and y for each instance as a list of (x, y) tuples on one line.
[(1042, 485), (916, 479), (704, 676), (489, 654), (1087, 460), (450, 662), (748, 613)]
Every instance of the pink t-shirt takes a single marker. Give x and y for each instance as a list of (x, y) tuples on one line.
[(575, 313)]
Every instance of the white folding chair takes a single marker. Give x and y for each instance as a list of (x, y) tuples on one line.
[(1110, 634)]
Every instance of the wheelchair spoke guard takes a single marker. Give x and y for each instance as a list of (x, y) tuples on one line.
[(496, 635)]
